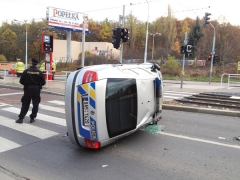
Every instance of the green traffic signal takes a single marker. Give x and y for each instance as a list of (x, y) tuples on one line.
[(183, 48)]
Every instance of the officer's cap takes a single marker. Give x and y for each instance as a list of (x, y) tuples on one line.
[(35, 61)]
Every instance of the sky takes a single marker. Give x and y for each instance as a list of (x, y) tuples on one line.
[(224, 11)]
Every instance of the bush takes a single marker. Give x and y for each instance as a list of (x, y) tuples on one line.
[(2, 58), (171, 67)]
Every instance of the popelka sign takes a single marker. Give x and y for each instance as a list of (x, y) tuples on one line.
[(65, 20)]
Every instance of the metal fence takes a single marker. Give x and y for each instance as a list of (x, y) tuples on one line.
[(233, 80), (58, 77)]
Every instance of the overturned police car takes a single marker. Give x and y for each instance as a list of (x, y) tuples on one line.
[(104, 103)]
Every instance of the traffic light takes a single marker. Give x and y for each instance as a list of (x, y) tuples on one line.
[(209, 57), (189, 48), (206, 18), (182, 50), (117, 36), (124, 34), (215, 59)]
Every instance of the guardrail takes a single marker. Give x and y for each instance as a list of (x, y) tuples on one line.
[(63, 76), (233, 76), (4, 72)]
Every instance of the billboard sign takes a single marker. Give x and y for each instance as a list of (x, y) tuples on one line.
[(66, 20), (201, 62), (47, 43)]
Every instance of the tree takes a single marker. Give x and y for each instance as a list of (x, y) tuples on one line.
[(195, 34), (129, 47), (95, 28), (9, 45), (170, 30), (105, 33), (227, 43)]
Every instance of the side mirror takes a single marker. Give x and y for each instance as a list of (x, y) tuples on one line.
[(155, 66)]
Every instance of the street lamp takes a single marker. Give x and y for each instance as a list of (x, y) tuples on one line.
[(153, 34), (145, 53), (26, 65)]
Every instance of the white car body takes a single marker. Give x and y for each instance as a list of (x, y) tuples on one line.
[(104, 103)]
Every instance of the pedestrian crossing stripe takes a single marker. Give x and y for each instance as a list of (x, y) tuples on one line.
[(57, 102), (179, 92), (10, 94), (27, 128), (7, 145), (4, 104), (51, 108), (40, 116)]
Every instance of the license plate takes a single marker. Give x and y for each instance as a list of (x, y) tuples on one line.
[(85, 112)]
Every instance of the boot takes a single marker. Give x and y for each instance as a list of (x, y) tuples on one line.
[(32, 120), (20, 121)]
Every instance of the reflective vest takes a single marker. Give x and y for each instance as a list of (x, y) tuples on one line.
[(42, 67), (19, 67)]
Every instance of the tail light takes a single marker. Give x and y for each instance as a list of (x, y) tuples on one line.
[(89, 76), (92, 144)]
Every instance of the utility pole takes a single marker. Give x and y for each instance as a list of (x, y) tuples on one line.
[(83, 44), (213, 53), (185, 44), (205, 22), (145, 52), (122, 26), (153, 34)]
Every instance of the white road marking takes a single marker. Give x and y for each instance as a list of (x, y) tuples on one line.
[(4, 104), (173, 97), (200, 140), (57, 102), (10, 94), (178, 92), (43, 117), (235, 97), (27, 128), (7, 145), (51, 108)]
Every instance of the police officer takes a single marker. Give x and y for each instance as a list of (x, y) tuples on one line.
[(42, 68), (19, 67), (32, 79)]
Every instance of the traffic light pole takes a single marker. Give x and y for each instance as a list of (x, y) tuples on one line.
[(122, 26), (213, 53), (182, 75)]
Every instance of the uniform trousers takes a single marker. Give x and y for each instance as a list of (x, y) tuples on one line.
[(31, 93)]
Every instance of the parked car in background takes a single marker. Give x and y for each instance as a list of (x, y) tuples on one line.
[(11, 70)]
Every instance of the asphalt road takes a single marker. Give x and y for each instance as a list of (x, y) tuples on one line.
[(190, 146)]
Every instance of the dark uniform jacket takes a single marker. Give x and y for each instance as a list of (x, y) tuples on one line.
[(32, 76)]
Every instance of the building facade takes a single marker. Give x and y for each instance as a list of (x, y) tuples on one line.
[(95, 48)]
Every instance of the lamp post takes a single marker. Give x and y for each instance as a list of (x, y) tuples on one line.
[(154, 34), (145, 53), (26, 65)]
